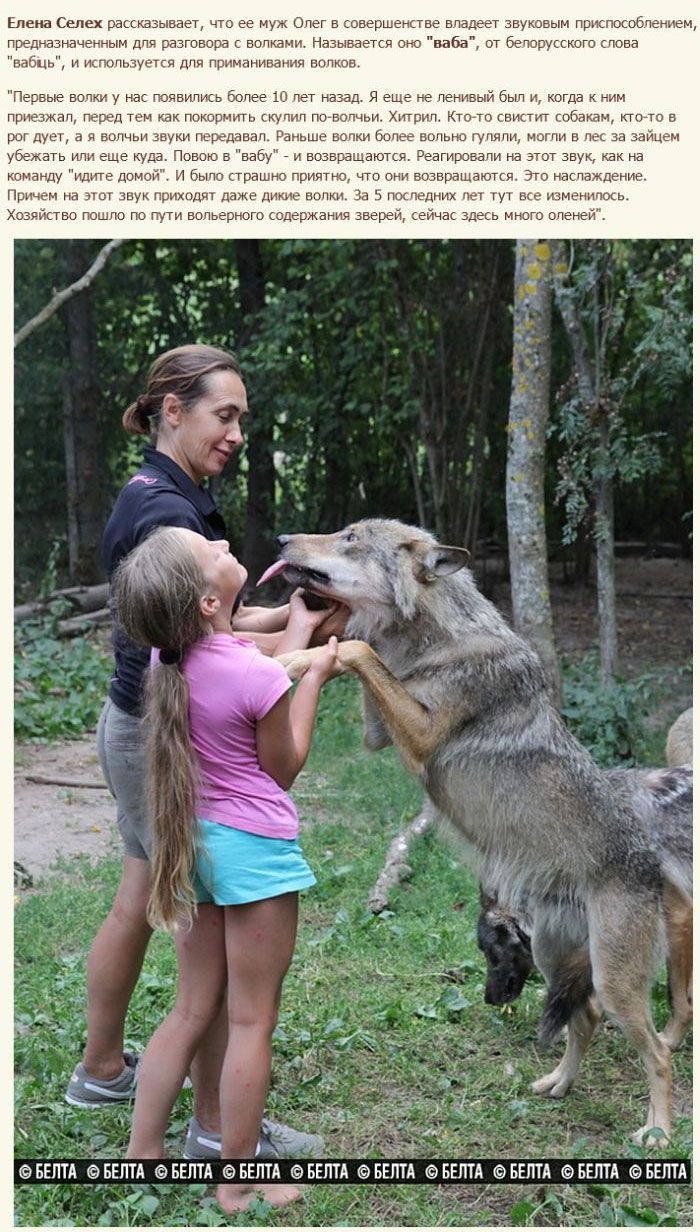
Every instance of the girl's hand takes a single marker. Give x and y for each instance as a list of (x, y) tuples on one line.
[(303, 623), (333, 625), (327, 662)]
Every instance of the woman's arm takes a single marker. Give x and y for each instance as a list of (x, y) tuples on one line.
[(260, 619)]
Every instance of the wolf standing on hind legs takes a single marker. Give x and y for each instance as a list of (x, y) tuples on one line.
[(464, 700)]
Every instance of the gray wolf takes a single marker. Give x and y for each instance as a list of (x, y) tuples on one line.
[(464, 700), (503, 936)]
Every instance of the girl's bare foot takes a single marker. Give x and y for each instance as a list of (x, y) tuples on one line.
[(238, 1197)]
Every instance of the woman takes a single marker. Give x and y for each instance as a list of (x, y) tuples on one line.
[(193, 408)]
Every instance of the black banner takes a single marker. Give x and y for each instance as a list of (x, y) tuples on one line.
[(354, 1171)]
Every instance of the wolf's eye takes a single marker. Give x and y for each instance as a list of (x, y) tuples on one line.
[(351, 537)]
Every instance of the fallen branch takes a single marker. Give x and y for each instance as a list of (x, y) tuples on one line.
[(396, 866), (85, 598), (68, 292), (75, 625), (47, 781)]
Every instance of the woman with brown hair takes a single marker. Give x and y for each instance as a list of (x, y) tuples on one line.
[(193, 409)]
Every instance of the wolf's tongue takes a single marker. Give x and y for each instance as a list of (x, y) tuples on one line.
[(278, 566)]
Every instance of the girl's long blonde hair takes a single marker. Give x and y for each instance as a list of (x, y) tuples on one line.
[(157, 590)]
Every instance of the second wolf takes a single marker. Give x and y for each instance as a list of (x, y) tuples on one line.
[(504, 937), (464, 700)]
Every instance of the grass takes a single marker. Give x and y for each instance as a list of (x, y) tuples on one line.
[(384, 1044)]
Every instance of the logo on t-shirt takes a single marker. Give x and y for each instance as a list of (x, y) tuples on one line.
[(142, 479)]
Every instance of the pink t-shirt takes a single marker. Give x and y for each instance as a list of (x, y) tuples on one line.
[(232, 685)]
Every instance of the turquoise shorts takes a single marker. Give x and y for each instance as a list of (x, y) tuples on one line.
[(235, 867)]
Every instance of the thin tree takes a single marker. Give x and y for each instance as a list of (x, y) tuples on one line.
[(81, 433), (527, 426), (258, 549), (592, 379)]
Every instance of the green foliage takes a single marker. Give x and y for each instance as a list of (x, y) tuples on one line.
[(634, 304), (384, 1042), (607, 719), (60, 683), (382, 370)]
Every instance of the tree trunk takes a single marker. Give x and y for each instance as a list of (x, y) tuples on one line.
[(258, 549), (589, 380), (605, 558), (529, 410), (81, 429)]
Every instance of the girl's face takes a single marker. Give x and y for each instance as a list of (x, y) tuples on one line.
[(202, 439), (225, 575)]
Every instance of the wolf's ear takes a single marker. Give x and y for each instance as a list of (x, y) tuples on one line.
[(487, 902), (440, 560)]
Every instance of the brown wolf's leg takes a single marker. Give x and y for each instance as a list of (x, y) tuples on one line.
[(678, 913), (623, 940), (415, 730), (580, 1028)]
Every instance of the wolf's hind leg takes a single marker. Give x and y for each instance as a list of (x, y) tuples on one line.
[(564, 961), (581, 1027), (678, 916), (624, 931)]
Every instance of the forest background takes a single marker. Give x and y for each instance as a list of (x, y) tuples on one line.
[(530, 400), (379, 374)]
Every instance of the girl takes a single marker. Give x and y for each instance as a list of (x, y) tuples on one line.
[(224, 743)]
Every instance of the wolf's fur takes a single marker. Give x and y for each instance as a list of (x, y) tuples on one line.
[(465, 702), (503, 934), (679, 742)]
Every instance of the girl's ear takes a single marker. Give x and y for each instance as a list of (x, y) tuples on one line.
[(209, 606)]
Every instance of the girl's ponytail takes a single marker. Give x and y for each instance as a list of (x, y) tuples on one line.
[(170, 796), (157, 591)]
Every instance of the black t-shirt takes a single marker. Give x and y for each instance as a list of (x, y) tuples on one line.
[(159, 494)]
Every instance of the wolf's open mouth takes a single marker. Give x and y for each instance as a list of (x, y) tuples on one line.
[(298, 575)]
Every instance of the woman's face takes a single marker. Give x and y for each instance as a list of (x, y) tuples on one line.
[(202, 439)]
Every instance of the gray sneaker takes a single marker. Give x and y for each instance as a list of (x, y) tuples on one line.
[(275, 1142), (280, 1142), (86, 1092), (201, 1143)]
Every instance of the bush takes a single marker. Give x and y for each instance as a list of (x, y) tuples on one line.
[(60, 684), (607, 719)]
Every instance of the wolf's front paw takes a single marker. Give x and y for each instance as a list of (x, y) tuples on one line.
[(296, 662)]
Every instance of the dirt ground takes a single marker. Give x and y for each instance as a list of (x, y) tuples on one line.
[(654, 610)]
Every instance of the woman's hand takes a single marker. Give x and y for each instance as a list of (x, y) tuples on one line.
[(260, 619)]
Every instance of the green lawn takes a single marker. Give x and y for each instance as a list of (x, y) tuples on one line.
[(384, 1043)]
